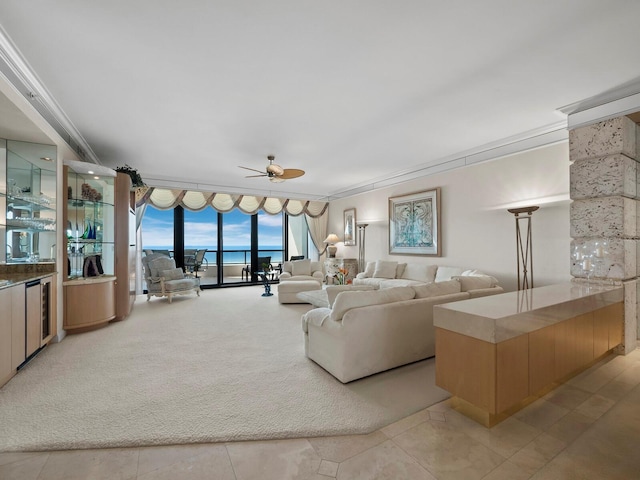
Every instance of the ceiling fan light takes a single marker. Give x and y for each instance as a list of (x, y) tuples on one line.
[(276, 179), (275, 169)]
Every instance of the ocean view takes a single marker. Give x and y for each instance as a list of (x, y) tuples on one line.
[(233, 254)]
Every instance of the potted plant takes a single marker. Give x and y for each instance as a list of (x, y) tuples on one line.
[(136, 179)]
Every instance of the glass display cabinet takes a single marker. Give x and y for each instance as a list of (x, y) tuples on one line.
[(89, 219), (27, 202)]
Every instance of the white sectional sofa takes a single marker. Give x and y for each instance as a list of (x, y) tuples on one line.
[(366, 332), (386, 274)]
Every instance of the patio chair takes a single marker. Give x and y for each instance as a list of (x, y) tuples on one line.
[(164, 279), (260, 267), (194, 262)]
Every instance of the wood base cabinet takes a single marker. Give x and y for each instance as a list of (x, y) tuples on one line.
[(88, 303), (490, 381), (27, 323)]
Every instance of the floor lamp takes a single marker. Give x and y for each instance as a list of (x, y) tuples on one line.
[(361, 232), (524, 247)]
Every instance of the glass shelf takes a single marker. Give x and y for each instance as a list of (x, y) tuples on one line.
[(89, 216), (27, 201)]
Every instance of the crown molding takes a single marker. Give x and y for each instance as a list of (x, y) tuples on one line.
[(621, 100), (24, 79), (523, 142)]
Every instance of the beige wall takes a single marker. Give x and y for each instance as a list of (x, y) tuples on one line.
[(477, 230)]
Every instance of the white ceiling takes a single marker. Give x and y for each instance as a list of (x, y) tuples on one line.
[(350, 91)]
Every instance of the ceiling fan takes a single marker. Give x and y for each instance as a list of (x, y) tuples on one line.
[(275, 172)]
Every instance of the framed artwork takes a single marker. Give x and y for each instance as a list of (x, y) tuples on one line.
[(350, 226), (414, 224)]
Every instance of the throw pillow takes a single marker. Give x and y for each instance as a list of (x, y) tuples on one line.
[(400, 269), (173, 274), (471, 272), (420, 273), (370, 268), (346, 301), (385, 269), (301, 267), (437, 288), (159, 264), (446, 273), (475, 282)]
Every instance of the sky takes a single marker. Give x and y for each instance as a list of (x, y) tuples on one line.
[(200, 229)]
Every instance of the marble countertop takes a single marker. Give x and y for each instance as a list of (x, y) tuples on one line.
[(12, 279), (497, 318)]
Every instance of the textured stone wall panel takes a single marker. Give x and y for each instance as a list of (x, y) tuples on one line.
[(613, 217), (620, 262), (603, 177), (601, 139), (630, 334)]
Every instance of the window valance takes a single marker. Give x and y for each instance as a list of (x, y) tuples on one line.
[(166, 199)]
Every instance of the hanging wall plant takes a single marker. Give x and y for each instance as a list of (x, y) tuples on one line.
[(136, 179)]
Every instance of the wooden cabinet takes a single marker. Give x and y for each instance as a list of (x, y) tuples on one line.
[(125, 244), (89, 303), (27, 323), (6, 338), (18, 331), (491, 380), (89, 300)]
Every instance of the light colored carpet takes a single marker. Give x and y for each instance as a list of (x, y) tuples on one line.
[(227, 366)]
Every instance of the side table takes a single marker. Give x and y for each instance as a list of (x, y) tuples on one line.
[(264, 276), (332, 267)]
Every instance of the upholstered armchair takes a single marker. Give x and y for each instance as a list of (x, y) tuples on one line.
[(301, 270), (164, 279)]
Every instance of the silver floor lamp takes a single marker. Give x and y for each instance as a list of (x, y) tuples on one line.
[(361, 233)]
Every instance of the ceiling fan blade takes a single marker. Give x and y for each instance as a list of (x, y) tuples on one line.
[(252, 169), (254, 176), (291, 173)]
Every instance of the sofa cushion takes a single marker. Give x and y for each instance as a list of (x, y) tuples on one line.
[(160, 263), (377, 282), (398, 282), (346, 301), (301, 267), (172, 274), (446, 273), (385, 269), (181, 284), (420, 272), (332, 291), (369, 269), (400, 270), (437, 289), (474, 282)]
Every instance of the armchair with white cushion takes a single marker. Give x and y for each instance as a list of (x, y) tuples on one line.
[(302, 270), (164, 279)]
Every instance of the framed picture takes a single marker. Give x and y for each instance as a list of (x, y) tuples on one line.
[(414, 224), (350, 226)]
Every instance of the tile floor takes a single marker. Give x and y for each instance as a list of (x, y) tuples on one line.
[(588, 428)]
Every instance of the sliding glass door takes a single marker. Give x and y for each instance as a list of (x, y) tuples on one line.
[(232, 242)]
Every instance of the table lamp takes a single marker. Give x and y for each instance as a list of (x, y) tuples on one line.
[(331, 240)]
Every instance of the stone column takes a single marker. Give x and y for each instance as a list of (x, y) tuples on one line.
[(604, 212)]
